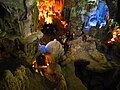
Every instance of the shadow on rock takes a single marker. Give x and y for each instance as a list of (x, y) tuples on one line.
[(12, 64), (96, 80)]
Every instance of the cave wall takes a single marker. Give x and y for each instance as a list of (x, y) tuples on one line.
[(114, 8), (18, 28), (72, 12), (19, 37)]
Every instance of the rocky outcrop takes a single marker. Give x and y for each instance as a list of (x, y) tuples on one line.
[(75, 16), (91, 66), (81, 50), (19, 39), (22, 79), (19, 28), (73, 83)]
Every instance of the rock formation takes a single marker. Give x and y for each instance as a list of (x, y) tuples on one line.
[(82, 67)]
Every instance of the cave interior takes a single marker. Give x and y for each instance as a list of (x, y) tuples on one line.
[(59, 45)]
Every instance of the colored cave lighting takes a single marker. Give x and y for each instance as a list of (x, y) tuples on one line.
[(43, 48), (97, 15), (49, 9), (64, 23), (116, 36)]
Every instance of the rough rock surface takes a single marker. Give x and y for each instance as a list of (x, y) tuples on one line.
[(81, 50), (91, 66), (73, 83), (19, 37), (75, 16), (19, 28), (19, 76)]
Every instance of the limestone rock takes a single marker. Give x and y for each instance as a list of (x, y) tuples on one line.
[(21, 80), (19, 28), (81, 50), (73, 83), (33, 37)]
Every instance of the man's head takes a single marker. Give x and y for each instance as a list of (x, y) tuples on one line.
[(41, 60)]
